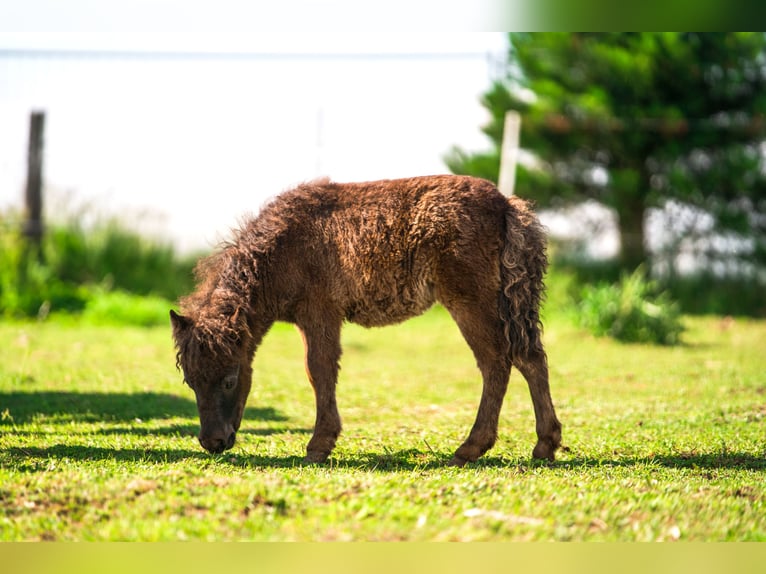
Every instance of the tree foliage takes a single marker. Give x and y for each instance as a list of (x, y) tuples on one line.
[(635, 121)]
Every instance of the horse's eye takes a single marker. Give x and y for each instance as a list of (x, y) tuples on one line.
[(229, 383)]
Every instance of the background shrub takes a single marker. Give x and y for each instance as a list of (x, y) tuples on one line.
[(29, 286), (630, 310), (101, 269)]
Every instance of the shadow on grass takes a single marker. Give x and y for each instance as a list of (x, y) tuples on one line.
[(707, 461), (183, 430), (62, 406), (43, 455), (416, 459), (402, 460), (419, 460), (373, 462), (192, 430)]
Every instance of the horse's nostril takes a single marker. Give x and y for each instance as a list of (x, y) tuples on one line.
[(217, 445), (213, 446)]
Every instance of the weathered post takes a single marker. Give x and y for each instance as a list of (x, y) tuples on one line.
[(509, 153), (33, 224)]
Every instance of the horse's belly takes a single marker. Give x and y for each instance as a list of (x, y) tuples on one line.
[(379, 306)]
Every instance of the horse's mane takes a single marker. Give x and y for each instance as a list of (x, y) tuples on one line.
[(229, 281), (219, 306)]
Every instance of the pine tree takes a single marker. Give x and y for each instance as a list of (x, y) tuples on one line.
[(634, 121)]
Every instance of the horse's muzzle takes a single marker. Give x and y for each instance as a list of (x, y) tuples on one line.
[(216, 444)]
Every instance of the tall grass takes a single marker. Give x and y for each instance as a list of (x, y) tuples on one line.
[(78, 265)]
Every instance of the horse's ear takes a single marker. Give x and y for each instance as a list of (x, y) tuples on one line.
[(179, 322), (237, 323)]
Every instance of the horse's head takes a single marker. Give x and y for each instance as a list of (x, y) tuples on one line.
[(220, 377)]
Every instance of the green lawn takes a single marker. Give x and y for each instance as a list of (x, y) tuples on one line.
[(97, 440)]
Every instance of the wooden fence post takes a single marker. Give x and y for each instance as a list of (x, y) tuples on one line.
[(33, 225), (509, 153)]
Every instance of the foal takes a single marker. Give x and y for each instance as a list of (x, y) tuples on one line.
[(373, 253)]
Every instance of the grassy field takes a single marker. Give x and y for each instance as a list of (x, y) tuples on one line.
[(97, 440)]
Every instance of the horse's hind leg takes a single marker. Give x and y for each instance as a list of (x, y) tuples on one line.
[(534, 367), (322, 343), (483, 331)]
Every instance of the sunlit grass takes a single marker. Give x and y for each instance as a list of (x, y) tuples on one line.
[(97, 440)]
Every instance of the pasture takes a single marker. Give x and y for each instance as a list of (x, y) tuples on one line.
[(98, 440)]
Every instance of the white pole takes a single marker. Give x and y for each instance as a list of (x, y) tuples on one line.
[(509, 153), (320, 142)]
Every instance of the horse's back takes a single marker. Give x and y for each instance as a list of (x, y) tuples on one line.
[(397, 240), (378, 251)]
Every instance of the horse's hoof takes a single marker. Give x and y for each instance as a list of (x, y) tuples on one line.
[(316, 457), (544, 451), (457, 461)]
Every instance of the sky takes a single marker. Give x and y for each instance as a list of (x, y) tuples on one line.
[(185, 146), (240, 22)]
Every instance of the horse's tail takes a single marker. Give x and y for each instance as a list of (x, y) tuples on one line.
[(523, 264)]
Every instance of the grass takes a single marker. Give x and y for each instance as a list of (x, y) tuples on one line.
[(97, 440)]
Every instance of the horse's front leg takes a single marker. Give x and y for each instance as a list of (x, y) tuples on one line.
[(322, 344)]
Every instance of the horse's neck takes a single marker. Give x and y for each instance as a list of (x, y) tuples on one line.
[(250, 297), (258, 318), (258, 329)]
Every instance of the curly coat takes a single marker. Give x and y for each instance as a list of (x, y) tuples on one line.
[(372, 253)]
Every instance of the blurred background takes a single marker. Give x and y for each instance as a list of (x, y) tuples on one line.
[(647, 150), (643, 152), (197, 136)]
